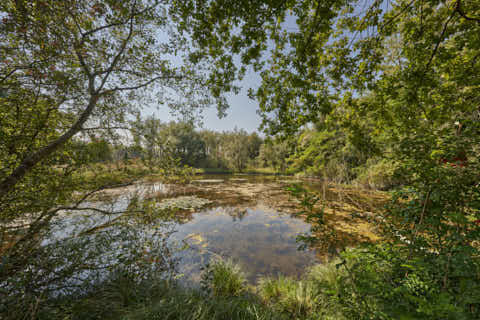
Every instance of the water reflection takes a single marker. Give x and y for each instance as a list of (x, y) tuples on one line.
[(239, 223), (262, 242)]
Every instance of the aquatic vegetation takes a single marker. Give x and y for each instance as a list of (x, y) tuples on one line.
[(183, 203), (208, 181), (248, 225), (178, 304)]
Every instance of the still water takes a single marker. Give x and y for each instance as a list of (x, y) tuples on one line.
[(261, 240), (242, 225), (250, 220)]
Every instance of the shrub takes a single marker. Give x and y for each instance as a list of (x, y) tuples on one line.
[(378, 174)]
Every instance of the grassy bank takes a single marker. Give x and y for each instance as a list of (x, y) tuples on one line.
[(361, 284), (224, 294), (121, 172), (249, 170)]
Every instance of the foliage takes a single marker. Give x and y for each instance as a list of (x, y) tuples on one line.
[(124, 297), (321, 234), (193, 305), (74, 70), (223, 279), (378, 174), (403, 77), (71, 69), (233, 150), (368, 283), (109, 299), (159, 143), (81, 65), (96, 150), (238, 150), (428, 266), (315, 296), (331, 152), (82, 252), (384, 283), (295, 298), (274, 154), (396, 81)]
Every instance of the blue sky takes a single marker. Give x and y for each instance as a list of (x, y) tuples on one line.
[(241, 114)]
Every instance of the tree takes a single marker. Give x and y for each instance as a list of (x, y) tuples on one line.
[(235, 149), (275, 153), (411, 68), (91, 59), (254, 143), (213, 141), (79, 66), (185, 143), (76, 66), (147, 140)]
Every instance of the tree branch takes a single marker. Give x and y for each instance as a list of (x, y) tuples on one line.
[(458, 8), (437, 45), (398, 14), (118, 23), (108, 91), (88, 194), (31, 160), (106, 212), (103, 128), (121, 51)]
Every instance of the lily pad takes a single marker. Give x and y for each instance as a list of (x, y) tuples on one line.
[(183, 203)]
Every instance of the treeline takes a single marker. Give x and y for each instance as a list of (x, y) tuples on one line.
[(153, 142), (338, 152), (333, 151)]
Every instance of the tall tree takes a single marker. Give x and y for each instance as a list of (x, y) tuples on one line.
[(412, 68), (93, 61), (75, 66)]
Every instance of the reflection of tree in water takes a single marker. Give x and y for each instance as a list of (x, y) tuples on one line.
[(236, 213)]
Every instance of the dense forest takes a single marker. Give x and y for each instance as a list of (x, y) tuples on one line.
[(383, 95)]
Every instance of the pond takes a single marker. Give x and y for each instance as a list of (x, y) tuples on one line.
[(248, 219), (261, 240)]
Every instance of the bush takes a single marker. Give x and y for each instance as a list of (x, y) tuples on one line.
[(378, 174), (382, 282)]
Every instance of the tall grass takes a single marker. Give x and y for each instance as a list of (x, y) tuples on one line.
[(181, 304), (309, 298), (224, 278), (224, 294)]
